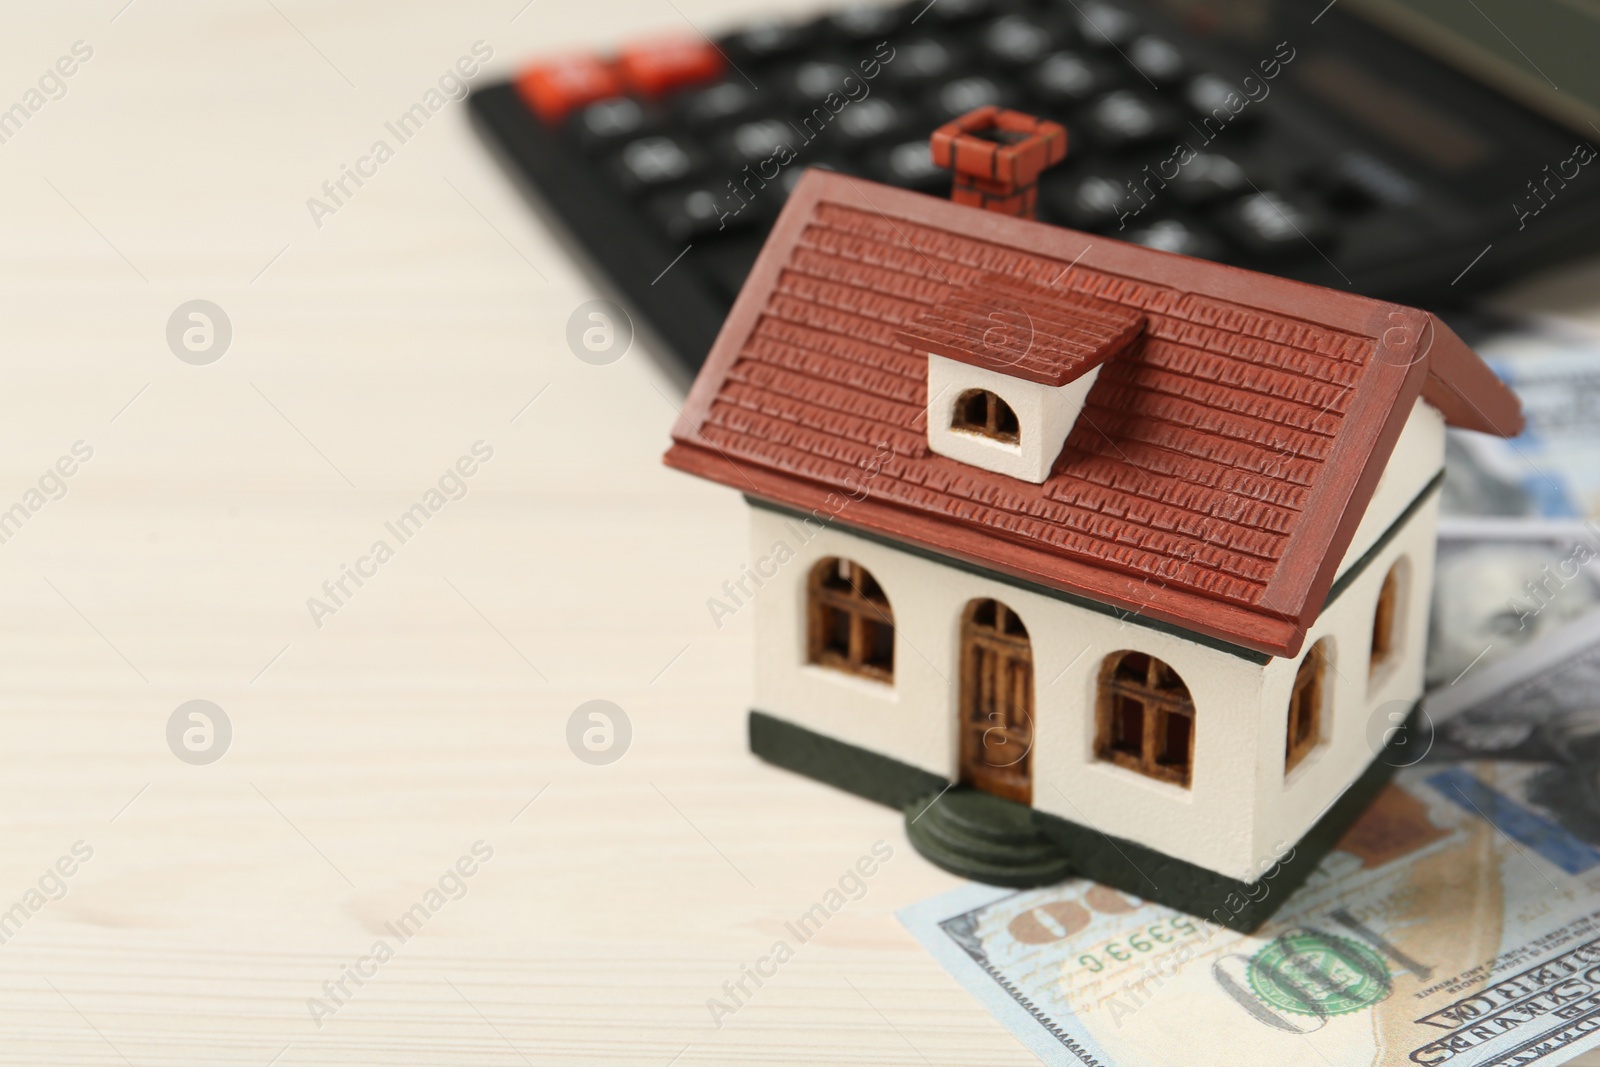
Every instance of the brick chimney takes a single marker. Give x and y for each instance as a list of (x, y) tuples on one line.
[(997, 157)]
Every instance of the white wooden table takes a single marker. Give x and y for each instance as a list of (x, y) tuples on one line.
[(371, 752)]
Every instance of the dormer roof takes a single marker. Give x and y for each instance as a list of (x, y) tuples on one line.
[(1030, 330), (1222, 461)]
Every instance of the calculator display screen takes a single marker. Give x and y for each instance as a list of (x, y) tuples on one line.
[(1541, 51)]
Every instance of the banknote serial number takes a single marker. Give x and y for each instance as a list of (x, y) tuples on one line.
[(1138, 943)]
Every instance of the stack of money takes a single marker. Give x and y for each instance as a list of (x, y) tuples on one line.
[(1457, 921)]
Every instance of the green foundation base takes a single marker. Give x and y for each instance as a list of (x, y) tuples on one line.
[(1001, 843), (985, 838)]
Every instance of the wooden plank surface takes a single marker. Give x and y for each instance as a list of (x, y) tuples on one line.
[(429, 712)]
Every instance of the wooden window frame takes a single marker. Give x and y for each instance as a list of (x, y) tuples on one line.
[(999, 423), (863, 611), (1308, 698), (1386, 621), (1159, 705)]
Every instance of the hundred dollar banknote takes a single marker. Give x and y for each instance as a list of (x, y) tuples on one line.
[(1457, 922), (1502, 584), (1519, 536), (1551, 470)]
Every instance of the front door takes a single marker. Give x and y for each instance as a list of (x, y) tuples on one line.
[(996, 702)]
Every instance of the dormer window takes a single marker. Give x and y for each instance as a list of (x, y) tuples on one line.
[(1010, 365), (981, 412)]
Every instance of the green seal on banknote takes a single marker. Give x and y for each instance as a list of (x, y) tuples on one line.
[(1311, 973)]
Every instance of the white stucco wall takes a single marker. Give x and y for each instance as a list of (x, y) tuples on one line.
[(1239, 806), (1418, 456), (914, 720), (1287, 807)]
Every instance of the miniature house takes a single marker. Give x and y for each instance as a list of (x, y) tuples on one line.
[(1099, 559)]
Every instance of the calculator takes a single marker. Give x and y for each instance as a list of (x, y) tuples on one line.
[(1301, 139)]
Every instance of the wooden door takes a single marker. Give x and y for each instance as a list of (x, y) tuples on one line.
[(996, 702)]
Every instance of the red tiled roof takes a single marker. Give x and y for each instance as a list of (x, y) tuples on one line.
[(1031, 331), (1222, 460)]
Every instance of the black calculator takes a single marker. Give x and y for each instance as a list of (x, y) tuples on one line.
[(1294, 138)]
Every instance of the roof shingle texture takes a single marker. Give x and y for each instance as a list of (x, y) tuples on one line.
[(1194, 459), (1046, 334)]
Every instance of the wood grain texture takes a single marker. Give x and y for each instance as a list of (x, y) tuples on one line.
[(372, 352), (997, 702), (421, 317)]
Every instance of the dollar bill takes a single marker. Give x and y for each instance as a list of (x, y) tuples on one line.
[(1457, 922), (1519, 534), (1502, 584), (1551, 470)]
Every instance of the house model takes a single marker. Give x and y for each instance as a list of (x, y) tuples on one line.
[(1096, 560)]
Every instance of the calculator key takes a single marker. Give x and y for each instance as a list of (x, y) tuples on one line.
[(685, 215), (964, 94), (719, 103), (1125, 118), (652, 161), (1171, 235), (1106, 25), (766, 40), (1271, 224), (606, 121), (952, 11), (756, 141), (1208, 93), (660, 65), (910, 166), (1067, 78), (921, 61), (869, 119), (1016, 41), (1092, 202), (814, 80), (1220, 100), (861, 22), (557, 86), (1156, 59), (1209, 176), (1220, 103)]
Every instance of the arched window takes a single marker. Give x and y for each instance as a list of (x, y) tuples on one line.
[(850, 624), (981, 412), (1386, 619), (1144, 717), (1308, 704)]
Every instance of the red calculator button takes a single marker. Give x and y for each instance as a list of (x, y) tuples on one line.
[(556, 86), (662, 64)]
